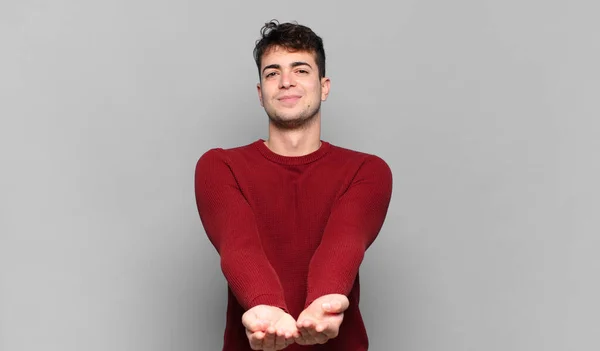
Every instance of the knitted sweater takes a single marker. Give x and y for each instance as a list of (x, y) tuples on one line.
[(289, 229)]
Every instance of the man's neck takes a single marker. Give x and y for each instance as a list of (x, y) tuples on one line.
[(294, 142)]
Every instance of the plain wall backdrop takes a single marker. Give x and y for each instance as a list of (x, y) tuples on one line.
[(487, 112)]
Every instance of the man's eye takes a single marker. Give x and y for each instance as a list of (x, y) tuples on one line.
[(270, 74), (303, 71)]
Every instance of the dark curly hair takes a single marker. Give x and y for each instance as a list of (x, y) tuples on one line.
[(293, 37)]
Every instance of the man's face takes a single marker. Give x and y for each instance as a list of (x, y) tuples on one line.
[(290, 89)]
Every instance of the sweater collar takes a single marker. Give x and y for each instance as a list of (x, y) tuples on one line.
[(292, 160)]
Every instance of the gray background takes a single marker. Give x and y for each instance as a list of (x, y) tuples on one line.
[(486, 111)]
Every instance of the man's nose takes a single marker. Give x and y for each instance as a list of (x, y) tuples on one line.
[(287, 80)]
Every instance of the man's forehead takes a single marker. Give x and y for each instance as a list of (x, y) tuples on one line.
[(282, 56)]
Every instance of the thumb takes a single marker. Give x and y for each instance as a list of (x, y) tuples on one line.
[(252, 323), (336, 305)]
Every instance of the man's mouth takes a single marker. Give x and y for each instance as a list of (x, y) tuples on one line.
[(290, 99)]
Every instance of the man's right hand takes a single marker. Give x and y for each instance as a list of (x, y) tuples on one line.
[(269, 328)]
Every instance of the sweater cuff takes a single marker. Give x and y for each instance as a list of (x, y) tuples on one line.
[(313, 295), (269, 300)]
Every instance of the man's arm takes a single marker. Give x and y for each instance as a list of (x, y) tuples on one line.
[(231, 227), (354, 223)]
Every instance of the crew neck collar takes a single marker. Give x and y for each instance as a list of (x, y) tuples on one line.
[(292, 160)]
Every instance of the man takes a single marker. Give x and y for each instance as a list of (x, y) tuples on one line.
[(292, 216)]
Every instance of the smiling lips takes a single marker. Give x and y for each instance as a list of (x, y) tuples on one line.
[(289, 99)]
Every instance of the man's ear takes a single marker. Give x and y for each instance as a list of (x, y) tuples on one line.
[(325, 86), (259, 91)]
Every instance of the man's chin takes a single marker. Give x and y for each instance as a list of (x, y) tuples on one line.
[(284, 122)]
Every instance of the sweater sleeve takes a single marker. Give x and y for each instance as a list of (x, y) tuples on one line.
[(354, 223), (229, 223)]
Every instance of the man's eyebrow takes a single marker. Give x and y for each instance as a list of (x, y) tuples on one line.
[(300, 63), (276, 66), (293, 64)]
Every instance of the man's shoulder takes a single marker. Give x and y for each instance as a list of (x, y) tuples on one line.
[(226, 152), (361, 157), (348, 152), (367, 166)]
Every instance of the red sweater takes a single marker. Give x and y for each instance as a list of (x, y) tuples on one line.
[(291, 229)]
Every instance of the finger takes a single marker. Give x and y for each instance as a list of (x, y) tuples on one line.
[(329, 307), (253, 324), (280, 340), (311, 329), (259, 326), (269, 341), (335, 305), (305, 327), (256, 340), (289, 335), (317, 336), (321, 338), (307, 323), (293, 334), (331, 331), (319, 328), (300, 328), (310, 332), (304, 337), (290, 340), (248, 320), (254, 335), (300, 339), (332, 325)]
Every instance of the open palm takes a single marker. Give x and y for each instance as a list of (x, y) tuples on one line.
[(322, 319), (269, 328)]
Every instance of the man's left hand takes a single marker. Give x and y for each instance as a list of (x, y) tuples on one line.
[(322, 319)]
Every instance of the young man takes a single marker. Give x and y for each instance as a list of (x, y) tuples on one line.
[(292, 216)]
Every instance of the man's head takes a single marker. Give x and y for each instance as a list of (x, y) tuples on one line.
[(293, 37), (291, 65)]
